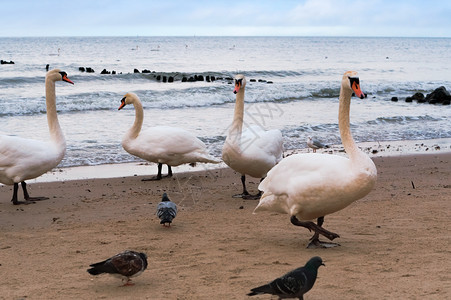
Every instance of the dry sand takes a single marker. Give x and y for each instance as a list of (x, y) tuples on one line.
[(395, 243)]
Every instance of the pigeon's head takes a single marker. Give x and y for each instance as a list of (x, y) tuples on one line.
[(315, 262), (144, 258), (165, 197)]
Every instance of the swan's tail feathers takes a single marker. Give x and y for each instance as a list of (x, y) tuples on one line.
[(271, 202), (209, 160), (264, 289)]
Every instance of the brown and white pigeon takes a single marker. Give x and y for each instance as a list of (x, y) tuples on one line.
[(125, 265), (294, 284)]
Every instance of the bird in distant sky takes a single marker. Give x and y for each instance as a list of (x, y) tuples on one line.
[(125, 265), (294, 284), (166, 210), (315, 144)]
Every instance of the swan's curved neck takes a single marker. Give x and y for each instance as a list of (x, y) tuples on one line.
[(237, 125), (56, 133), (344, 124), (133, 132)]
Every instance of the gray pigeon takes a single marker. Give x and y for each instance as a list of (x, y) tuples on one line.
[(126, 264), (315, 144), (166, 210), (294, 284)]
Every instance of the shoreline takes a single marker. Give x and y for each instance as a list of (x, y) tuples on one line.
[(143, 168)]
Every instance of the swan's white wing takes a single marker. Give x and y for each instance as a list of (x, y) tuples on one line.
[(170, 145), (22, 159), (257, 153), (304, 182), (266, 144)]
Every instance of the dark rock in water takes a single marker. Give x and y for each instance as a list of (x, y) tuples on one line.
[(104, 71), (145, 71), (418, 97), (394, 99), (409, 99), (261, 80), (191, 79), (81, 69), (184, 79), (158, 77), (89, 70), (212, 78), (270, 82), (113, 72), (135, 71), (439, 95), (170, 79), (47, 66), (200, 78), (207, 78), (4, 62), (253, 80), (165, 78)]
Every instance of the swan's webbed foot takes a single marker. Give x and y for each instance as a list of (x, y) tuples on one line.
[(16, 202), (33, 199), (252, 197), (316, 243), (313, 227), (246, 196), (156, 178)]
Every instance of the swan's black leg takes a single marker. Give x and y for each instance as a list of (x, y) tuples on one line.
[(169, 171), (159, 176), (318, 229), (245, 195), (14, 199), (253, 197), (245, 192), (27, 196), (29, 200)]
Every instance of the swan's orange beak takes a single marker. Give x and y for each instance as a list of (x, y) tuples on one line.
[(356, 88), (67, 79), (122, 104), (237, 87)]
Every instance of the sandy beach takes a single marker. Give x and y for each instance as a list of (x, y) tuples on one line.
[(395, 242)]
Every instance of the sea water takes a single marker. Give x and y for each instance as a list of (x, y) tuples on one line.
[(296, 88)]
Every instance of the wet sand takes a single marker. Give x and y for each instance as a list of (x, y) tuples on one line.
[(395, 242)]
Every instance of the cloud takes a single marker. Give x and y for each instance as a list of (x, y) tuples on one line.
[(245, 17)]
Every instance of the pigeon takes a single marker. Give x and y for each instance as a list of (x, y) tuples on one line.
[(315, 144), (125, 265), (294, 284), (166, 210)]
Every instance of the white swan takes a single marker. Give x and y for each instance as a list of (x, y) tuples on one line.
[(309, 186), (253, 151), (162, 144), (22, 159)]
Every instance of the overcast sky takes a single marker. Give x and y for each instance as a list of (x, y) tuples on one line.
[(427, 18)]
